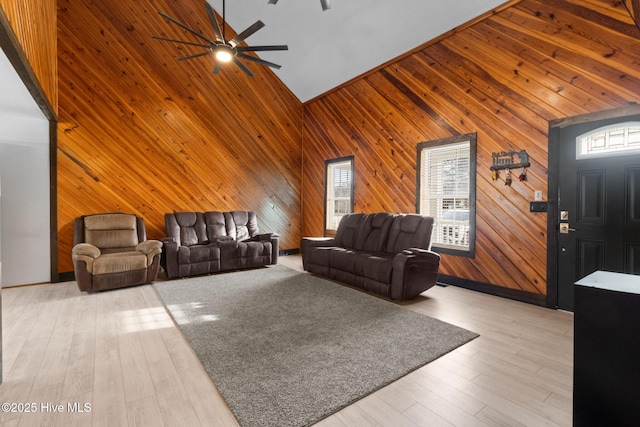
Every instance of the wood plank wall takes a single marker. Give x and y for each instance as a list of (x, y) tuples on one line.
[(140, 132), (34, 24), (505, 78)]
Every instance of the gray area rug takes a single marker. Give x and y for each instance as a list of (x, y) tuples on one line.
[(286, 348)]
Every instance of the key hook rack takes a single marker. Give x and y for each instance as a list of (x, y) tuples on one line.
[(505, 160)]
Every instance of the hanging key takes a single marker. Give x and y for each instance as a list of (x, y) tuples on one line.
[(523, 175), (507, 180)]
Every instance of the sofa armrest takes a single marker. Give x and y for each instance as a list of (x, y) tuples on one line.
[(83, 255), (315, 242), (275, 247), (151, 248), (308, 243), (166, 240), (414, 271), (86, 250), (260, 237), (169, 257)]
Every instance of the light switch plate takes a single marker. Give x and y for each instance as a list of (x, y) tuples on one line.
[(537, 196)]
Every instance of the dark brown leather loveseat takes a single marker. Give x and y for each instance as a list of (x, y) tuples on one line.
[(387, 254), (208, 242)]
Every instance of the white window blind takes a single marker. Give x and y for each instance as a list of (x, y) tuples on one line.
[(339, 192), (444, 192)]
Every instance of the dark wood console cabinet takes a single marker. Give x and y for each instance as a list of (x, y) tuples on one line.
[(606, 370)]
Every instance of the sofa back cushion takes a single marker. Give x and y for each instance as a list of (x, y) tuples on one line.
[(347, 230), (187, 228), (241, 225), (112, 230), (409, 231), (373, 232), (216, 225)]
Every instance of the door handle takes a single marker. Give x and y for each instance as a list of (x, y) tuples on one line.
[(564, 228)]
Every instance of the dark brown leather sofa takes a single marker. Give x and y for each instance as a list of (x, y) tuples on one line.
[(209, 242), (387, 254), (111, 250)]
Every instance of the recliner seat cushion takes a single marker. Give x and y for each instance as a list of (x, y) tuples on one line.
[(343, 259), (253, 254), (375, 266), (119, 262), (198, 253)]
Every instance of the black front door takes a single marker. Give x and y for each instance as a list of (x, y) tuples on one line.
[(598, 205)]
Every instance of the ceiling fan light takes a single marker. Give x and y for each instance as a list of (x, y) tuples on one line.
[(224, 53)]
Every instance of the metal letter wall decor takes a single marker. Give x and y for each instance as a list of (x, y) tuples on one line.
[(505, 160)]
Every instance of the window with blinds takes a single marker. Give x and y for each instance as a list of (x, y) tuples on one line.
[(446, 191), (339, 192)]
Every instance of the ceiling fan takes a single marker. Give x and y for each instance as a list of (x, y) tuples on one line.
[(222, 49), (325, 4)]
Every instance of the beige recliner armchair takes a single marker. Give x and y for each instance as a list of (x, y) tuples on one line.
[(111, 250)]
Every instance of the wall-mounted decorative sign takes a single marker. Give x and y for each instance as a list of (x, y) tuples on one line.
[(506, 160)]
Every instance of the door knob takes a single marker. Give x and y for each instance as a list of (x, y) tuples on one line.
[(564, 228)]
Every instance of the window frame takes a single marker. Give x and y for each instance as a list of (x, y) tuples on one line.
[(471, 138), (327, 165)]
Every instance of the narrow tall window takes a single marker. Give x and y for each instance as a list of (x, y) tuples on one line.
[(338, 193), (446, 192)]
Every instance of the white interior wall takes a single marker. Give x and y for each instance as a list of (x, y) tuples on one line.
[(25, 252)]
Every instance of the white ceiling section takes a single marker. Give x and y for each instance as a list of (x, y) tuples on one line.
[(329, 48)]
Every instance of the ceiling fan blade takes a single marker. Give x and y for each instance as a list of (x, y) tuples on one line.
[(246, 33), (242, 67), (214, 22), (209, 52), (180, 41), (261, 48), (273, 1), (260, 61), (180, 24), (217, 68)]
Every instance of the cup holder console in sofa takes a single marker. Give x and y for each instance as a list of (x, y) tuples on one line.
[(387, 254)]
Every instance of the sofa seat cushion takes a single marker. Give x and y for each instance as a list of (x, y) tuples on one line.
[(119, 262), (198, 253), (250, 248), (343, 259), (376, 266), (253, 254), (320, 255)]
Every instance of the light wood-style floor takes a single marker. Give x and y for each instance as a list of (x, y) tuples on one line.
[(120, 353)]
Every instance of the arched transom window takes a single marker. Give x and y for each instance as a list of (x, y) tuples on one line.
[(615, 140)]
